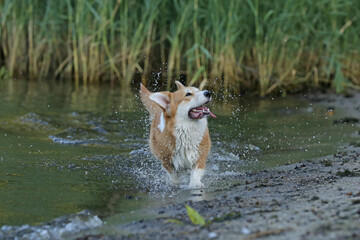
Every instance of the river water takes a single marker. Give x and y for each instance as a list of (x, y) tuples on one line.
[(65, 149)]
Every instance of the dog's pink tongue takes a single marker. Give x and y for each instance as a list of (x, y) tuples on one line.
[(196, 115), (213, 115), (206, 109)]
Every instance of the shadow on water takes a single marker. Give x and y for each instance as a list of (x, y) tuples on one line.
[(63, 150)]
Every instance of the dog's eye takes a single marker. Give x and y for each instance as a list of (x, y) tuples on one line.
[(188, 94)]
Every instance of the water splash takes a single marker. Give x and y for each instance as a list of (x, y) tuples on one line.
[(59, 228)]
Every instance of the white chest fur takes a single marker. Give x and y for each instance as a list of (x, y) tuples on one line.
[(189, 135)]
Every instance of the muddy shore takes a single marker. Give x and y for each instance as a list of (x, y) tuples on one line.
[(314, 199), (317, 199)]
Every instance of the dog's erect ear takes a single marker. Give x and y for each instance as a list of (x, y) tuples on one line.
[(179, 85), (144, 90), (162, 99)]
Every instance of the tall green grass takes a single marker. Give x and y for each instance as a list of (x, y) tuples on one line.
[(230, 45)]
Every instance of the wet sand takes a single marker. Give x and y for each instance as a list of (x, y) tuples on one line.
[(315, 199), (311, 200)]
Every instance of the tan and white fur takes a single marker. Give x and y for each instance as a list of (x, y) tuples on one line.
[(179, 134)]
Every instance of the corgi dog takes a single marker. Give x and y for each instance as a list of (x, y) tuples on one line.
[(179, 135)]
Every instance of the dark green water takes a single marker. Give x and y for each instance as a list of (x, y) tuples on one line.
[(63, 150)]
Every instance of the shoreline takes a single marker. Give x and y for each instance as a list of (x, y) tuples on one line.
[(315, 199)]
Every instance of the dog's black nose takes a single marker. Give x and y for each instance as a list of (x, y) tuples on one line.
[(207, 94)]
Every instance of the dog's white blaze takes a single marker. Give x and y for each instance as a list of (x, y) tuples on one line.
[(161, 125), (200, 98)]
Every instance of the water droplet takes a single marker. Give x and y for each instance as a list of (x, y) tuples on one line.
[(245, 230)]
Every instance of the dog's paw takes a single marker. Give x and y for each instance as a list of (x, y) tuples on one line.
[(173, 183), (196, 185), (174, 179)]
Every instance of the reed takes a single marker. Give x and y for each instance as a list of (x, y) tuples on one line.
[(230, 45)]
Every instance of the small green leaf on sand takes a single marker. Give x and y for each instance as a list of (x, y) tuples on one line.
[(194, 216), (176, 221)]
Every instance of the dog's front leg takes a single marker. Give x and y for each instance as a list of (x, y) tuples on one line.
[(195, 177), (174, 179), (197, 172)]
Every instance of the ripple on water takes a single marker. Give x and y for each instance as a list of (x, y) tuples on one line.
[(34, 122), (58, 228), (32, 119), (76, 136)]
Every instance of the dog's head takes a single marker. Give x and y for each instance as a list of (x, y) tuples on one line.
[(187, 103)]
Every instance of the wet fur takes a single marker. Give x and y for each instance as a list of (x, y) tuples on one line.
[(177, 140)]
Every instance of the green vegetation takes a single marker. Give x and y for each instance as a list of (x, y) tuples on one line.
[(326, 162), (348, 173), (230, 45), (194, 216), (197, 219), (3, 73)]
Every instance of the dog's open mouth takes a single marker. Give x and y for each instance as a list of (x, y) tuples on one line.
[(200, 112)]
